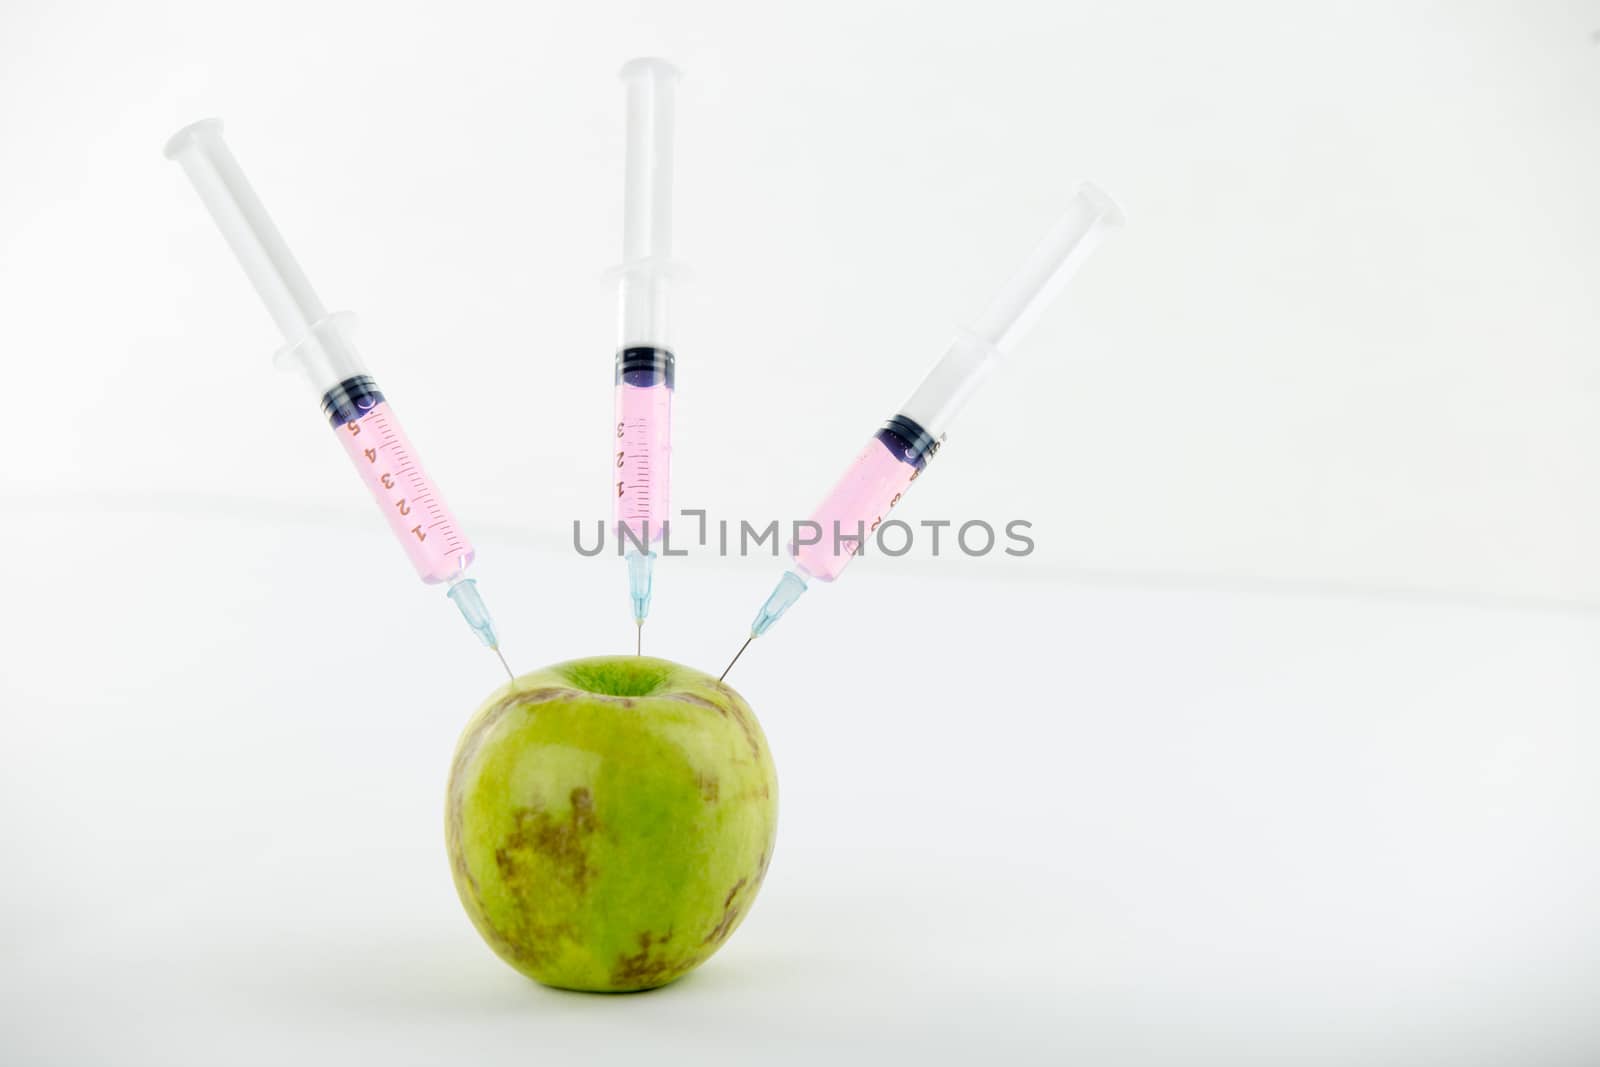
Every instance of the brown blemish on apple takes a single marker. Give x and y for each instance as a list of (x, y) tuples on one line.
[(709, 786), (477, 732), (733, 906), (647, 967), (730, 915), (540, 846), (734, 707), (532, 696), (530, 947), (603, 698), (747, 724), (466, 751), (562, 844)]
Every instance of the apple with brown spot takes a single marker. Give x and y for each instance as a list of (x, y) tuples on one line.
[(610, 820)]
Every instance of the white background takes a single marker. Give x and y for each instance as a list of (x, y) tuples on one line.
[(1279, 748)]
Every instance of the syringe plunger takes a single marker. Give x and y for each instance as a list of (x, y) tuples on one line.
[(647, 215), (318, 342), (647, 264), (1013, 311), (247, 227)]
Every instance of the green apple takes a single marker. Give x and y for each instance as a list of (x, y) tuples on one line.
[(610, 820)]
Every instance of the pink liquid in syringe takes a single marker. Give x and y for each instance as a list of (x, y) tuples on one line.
[(873, 484), (642, 462), (408, 498)]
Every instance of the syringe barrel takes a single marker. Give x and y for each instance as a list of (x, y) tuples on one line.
[(642, 464), (645, 275), (858, 503), (1013, 311), (389, 467), (247, 227), (643, 297), (950, 384), (325, 354)]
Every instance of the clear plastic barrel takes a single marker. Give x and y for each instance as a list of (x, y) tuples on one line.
[(410, 501), (643, 461), (854, 509)]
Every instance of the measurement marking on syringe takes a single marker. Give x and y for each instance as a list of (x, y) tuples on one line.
[(437, 547)]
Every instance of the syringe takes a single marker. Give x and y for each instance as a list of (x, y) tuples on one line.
[(645, 374), (897, 453), (319, 344)]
